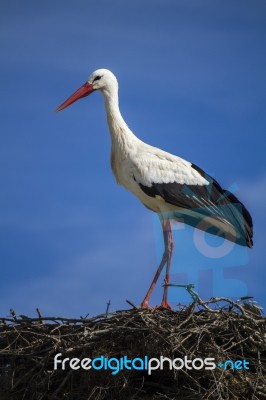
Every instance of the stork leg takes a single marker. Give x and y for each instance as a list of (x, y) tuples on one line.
[(166, 259), (169, 247)]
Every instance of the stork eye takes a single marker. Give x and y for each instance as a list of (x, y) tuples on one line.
[(97, 78)]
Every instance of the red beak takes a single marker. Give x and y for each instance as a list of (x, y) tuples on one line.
[(83, 91)]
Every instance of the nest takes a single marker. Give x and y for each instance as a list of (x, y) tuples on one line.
[(219, 329)]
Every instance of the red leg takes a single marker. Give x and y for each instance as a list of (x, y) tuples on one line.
[(169, 247), (145, 303), (166, 259)]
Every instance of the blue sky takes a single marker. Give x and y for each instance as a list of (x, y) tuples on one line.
[(192, 81)]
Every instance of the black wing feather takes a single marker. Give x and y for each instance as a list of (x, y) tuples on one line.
[(208, 200)]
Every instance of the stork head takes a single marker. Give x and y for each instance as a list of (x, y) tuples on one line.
[(101, 79)]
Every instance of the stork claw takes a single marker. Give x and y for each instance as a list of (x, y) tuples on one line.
[(165, 304), (146, 305)]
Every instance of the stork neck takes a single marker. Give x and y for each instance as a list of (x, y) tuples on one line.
[(120, 133)]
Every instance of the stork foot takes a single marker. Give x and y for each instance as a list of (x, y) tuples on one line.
[(165, 304), (146, 305)]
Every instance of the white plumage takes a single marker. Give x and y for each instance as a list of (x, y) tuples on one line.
[(166, 184)]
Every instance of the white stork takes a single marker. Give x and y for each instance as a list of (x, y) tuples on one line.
[(172, 187)]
